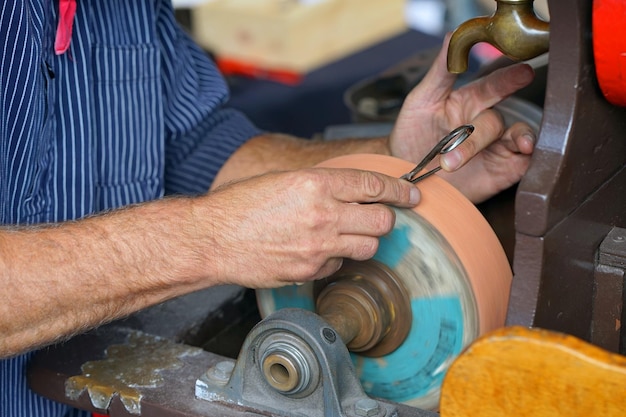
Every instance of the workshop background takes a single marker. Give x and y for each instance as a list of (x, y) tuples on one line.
[(293, 64)]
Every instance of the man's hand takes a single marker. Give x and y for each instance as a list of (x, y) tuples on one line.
[(285, 227), (496, 156)]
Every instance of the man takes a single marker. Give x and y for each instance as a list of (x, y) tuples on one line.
[(129, 111)]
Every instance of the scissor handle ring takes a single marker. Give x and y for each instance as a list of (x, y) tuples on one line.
[(460, 133)]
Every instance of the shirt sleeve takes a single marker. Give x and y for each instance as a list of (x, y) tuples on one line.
[(200, 132)]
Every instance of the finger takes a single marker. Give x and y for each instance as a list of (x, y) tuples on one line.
[(488, 127), (438, 81), (520, 138), (357, 186), (366, 219), (330, 267), (489, 90), (359, 247)]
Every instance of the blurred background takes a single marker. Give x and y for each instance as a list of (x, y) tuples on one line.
[(306, 66), (430, 16)]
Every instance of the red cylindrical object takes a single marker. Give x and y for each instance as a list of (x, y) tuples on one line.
[(609, 48)]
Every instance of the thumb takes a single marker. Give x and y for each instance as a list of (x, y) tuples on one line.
[(438, 83)]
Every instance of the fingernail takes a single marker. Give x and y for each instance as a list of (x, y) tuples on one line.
[(414, 196), (526, 143), (451, 160), (530, 138)]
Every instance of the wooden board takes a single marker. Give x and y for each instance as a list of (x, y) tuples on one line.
[(519, 372), (291, 35)]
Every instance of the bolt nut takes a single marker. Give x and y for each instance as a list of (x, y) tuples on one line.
[(220, 373), (329, 335), (367, 407)]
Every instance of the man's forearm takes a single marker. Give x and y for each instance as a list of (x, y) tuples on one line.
[(278, 152), (69, 277), (58, 280)]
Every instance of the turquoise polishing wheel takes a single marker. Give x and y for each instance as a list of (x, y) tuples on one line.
[(444, 315), (444, 281)]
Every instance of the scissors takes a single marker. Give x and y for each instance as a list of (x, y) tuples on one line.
[(444, 146)]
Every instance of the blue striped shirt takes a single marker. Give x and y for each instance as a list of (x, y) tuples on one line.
[(131, 112)]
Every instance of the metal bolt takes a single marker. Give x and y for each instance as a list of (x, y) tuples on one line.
[(221, 372), (619, 239), (366, 407), (329, 335)]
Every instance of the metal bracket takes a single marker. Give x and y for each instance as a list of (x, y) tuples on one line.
[(292, 364), (608, 294)]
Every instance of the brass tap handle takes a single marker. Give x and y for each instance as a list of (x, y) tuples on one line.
[(514, 29)]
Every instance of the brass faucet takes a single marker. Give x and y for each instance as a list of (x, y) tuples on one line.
[(514, 29)]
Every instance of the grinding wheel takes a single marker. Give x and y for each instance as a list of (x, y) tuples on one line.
[(456, 276)]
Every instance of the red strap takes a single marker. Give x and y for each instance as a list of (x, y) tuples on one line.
[(229, 66), (67, 10)]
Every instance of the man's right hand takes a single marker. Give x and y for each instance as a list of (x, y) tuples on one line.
[(287, 227)]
